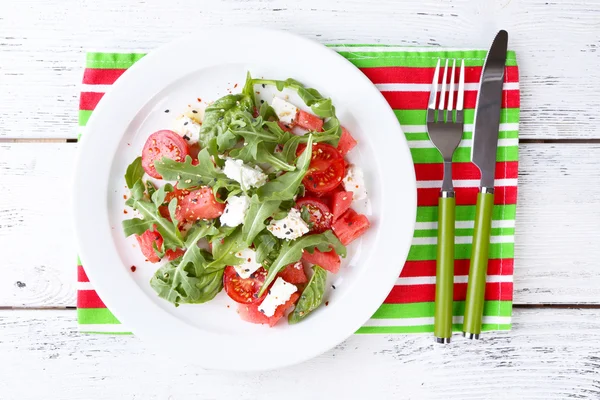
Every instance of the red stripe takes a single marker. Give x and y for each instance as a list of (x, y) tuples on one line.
[(464, 170), (419, 100), (426, 293), (89, 299), (425, 75), (89, 100), (496, 266), (81, 275), (93, 76), (467, 196)]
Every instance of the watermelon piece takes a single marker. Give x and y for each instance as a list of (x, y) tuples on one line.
[(340, 202), (350, 226), (250, 313), (308, 121), (346, 143), (327, 260), (294, 273)]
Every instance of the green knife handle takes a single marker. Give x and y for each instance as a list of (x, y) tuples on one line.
[(478, 267), (444, 276)]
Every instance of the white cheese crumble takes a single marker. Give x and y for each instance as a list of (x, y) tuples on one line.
[(187, 128), (196, 112), (280, 292), (247, 176), (286, 112), (291, 227), (354, 182), (235, 210), (249, 266)]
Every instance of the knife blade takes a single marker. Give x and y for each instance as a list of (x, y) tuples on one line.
[(483, 154)]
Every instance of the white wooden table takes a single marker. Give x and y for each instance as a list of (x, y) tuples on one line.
[(553, 351)]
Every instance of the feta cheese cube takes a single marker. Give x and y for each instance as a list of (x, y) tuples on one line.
[(286, 112), (291, 227), (187, 128), (280, 292), (247, 176), (354, 182), (235, 210), (249, 266)]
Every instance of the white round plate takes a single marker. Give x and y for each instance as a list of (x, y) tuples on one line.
[(209, 65)]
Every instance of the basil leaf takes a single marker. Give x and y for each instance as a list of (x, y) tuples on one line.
[(188, 175), (224, 251), (312, 296), (134, 172), (292, 252), (285, 186), (254, 221)]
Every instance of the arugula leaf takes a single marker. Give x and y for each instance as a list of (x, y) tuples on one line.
[(150, 188), (136, 226), (188, 175), (285, 186), (214, 153), (218, 115), (306, 217), (311, 297), (248, 89), (267, 248), (134, 172), (291, 145), (292, 252), (259, 152), (201, 229), (267, 112), (224, 251), (254, 221), (137, 193), (158, 197)]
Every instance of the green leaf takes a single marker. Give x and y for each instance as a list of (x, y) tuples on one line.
[(306, 216), (248, 89), (267, 112), (267, 248), (286, 186), (137, 192), (292, 252), (178, 285), (224, 251), (311, 297), (218, 115), (136, 226), (260, 152), (193, 255), (254, 221), (167, 229), (150, 188), (158, 197), (134, 172), (188, 175)]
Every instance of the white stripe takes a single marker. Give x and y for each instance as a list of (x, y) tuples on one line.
[(118, 51), (465, 183), (107, 328), (94, 88), (426, 87), (462, 240), (429, 321), (512, 126), (84, 286), (391, 49), (428, 144), (430, 280), (465, 224)]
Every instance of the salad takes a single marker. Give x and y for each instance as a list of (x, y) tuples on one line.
[(250, 197)]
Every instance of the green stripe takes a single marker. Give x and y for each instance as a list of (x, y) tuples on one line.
[(426, 309), (425, 328), (462, 154), (423, 252), (467, 213), (369, 59), (78, 260), (96, 316), (84, 116), (464, 232), (418, 117), (412, 136), (112, 60)]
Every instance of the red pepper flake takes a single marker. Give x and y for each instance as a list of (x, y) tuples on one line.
[(257, 92), (199, 99), (124, 197), (133, 268), (124, 211), (227, 305), (326, 303), (234, 86)]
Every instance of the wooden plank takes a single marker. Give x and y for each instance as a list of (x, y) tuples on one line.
[(550, 354), (557, 231), (42, 48)]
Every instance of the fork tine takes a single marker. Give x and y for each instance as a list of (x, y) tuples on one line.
[(434, 85), (443, 94), (451, 91), (461, 87)]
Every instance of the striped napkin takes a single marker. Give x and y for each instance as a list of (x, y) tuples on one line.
[(403, 75)]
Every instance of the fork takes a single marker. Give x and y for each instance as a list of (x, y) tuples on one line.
[(446, 133)]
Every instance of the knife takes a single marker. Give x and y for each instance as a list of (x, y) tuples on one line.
[(483, 154)]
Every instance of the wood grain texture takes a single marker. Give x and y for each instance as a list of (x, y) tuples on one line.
[(42, 44), (550, 354), (557, 231)]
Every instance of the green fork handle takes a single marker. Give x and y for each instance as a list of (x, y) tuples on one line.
[(444, 276), (479, 263)]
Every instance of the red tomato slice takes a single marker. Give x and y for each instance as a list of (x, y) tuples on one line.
[(244, 291), (326, 169), (199, 204), (340, 202), (346, 143), (163, 144), (146, 241), (294, 273), (350, 226), (328, 260), (320, 215), (308, 121), (250, 313)]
